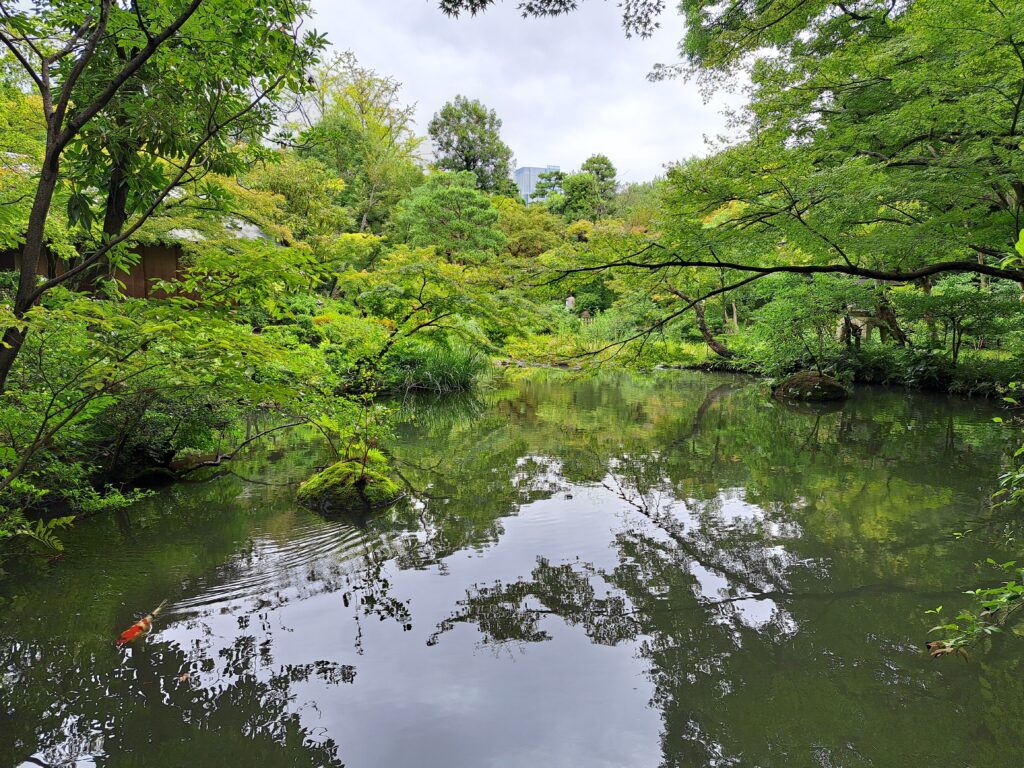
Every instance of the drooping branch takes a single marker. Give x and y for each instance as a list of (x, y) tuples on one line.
[(672, 260), (222, 457), (647, 332)]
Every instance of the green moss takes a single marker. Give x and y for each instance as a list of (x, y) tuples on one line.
[(350, 485)]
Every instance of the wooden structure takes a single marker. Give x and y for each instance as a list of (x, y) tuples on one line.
[(156, 262)]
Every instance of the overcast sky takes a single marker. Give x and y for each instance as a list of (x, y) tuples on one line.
[(565, 88)]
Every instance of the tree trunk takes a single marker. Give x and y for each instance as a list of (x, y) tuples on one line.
[(716, 346), (698, 308), (889, 324), (114, 218), (35, 238), (933, 330), (12, 342), (848, 333), (117, 200)]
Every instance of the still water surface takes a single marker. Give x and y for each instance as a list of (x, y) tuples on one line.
[(667, 571)]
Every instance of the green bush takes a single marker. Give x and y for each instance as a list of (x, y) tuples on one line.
[(885, 364)]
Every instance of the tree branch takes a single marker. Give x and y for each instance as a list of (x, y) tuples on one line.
[(222, 457), (25, 64), (896, 276), (126, 73), (186, 166), (79, 67), (646, 332)]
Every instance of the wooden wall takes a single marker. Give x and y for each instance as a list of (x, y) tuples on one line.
[(156, 262)]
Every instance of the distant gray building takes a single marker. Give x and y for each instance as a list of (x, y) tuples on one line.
[(526, 179)]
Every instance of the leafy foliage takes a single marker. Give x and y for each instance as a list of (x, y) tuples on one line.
[(467, 137), (602, 169), (358, 127), (874, 190), (42, 532), (450, 215)]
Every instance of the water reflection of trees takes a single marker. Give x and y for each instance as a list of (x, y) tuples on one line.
[(869, 477), (160, 700), (747, 534), (751, 531), (66, 695), (468, 467), (729, 476)]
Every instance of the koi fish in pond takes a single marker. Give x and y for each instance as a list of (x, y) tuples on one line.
[(141, 627), (938, 648)]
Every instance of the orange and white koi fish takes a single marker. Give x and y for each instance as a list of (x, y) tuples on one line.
[(140, 627)]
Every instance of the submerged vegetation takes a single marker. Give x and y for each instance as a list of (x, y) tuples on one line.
[(205, 241)]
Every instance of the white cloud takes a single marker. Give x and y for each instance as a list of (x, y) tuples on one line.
[(565, 87)]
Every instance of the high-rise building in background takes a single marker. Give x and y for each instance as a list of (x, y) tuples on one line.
[(526, 179)]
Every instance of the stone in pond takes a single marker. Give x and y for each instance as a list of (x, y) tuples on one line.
[(351, 486), (809, 385)]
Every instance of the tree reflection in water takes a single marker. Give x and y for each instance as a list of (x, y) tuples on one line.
[(765, 568), (208, 708), (743, 546)]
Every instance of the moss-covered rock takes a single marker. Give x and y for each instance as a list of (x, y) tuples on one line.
[(351, 485), (811, 386)]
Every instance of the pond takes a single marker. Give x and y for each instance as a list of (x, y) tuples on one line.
[(669, 570)]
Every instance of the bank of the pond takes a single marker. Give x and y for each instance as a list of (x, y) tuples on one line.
[(920, 370)]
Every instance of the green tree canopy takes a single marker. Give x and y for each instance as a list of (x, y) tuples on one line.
[(467, 137), (881, 136), (602, 169), (576, 196), (529, 230), (639, 17), (120, 130), (449, 214), (582, 194), (881, 141), (360, 128)]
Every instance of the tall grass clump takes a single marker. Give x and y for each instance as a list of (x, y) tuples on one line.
[(438, 368)]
